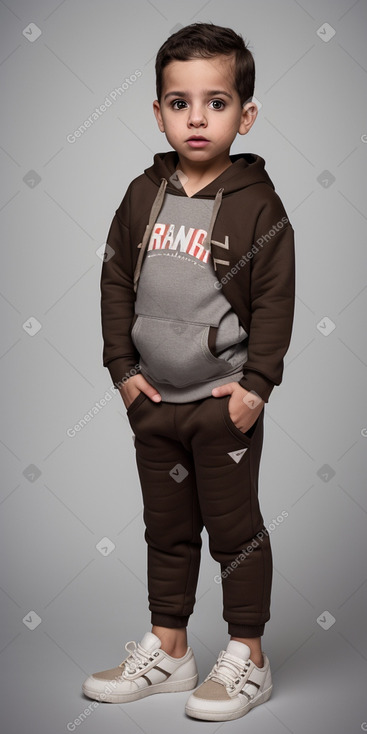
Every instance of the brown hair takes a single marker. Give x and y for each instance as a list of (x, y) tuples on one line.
[(205, 40)]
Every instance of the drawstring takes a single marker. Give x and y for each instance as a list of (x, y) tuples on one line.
[(208, 238), (157, 205)]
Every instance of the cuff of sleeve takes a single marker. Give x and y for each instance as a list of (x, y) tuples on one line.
[(121, 369), (259, 384)]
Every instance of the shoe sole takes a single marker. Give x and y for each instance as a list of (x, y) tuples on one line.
[(169, 687), (217, 716)]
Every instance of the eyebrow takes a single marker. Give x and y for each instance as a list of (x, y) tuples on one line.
[(209, 93)]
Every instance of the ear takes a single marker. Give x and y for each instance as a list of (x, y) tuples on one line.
[(248, 117), (158, 116)]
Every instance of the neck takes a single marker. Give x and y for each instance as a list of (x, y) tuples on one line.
[(200, 171)]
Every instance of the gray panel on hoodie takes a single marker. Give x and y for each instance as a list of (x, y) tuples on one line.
[(177, 303)]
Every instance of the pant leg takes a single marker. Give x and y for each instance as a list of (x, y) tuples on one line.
[(171, 512), (227, 466)]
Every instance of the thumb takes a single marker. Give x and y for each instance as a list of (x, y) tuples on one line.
[(149, 390), (227, 389)]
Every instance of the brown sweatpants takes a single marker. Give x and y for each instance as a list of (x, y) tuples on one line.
[(198, 469)]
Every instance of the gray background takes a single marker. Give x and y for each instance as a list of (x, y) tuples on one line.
[(62, 495)]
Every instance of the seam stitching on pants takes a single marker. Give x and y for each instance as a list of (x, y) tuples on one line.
[(192, 521)]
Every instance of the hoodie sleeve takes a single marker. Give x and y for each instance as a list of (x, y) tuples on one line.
[(117, 298), (272, 303)]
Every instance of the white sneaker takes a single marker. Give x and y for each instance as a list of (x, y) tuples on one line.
[(146, 670), (233, 687)]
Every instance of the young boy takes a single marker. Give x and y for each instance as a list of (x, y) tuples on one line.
[(197, 300)]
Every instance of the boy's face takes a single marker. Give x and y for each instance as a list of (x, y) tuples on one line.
[(199, 99)]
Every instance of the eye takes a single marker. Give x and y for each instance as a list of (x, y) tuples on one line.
[(218, 102), (178, 102)]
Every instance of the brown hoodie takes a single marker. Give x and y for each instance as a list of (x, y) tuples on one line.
[(252, 247)]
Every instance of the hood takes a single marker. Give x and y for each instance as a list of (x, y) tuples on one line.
[(246, 169)]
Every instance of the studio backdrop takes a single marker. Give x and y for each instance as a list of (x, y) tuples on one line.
[(77, 85)]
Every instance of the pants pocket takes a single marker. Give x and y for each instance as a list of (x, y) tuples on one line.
[(245, 437), (136, 402)]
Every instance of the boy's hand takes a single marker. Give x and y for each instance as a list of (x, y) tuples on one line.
[(136, 384), (244, 406)]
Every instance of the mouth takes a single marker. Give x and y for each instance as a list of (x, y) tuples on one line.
[(197, 141), (197, 137)]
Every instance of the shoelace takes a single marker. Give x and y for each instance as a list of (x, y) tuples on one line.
[(228, 670), (138, 657)]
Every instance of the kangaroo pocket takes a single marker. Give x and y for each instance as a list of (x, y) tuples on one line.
[(177, 352)]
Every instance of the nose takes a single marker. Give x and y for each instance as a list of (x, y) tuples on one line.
[(197, 116)]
